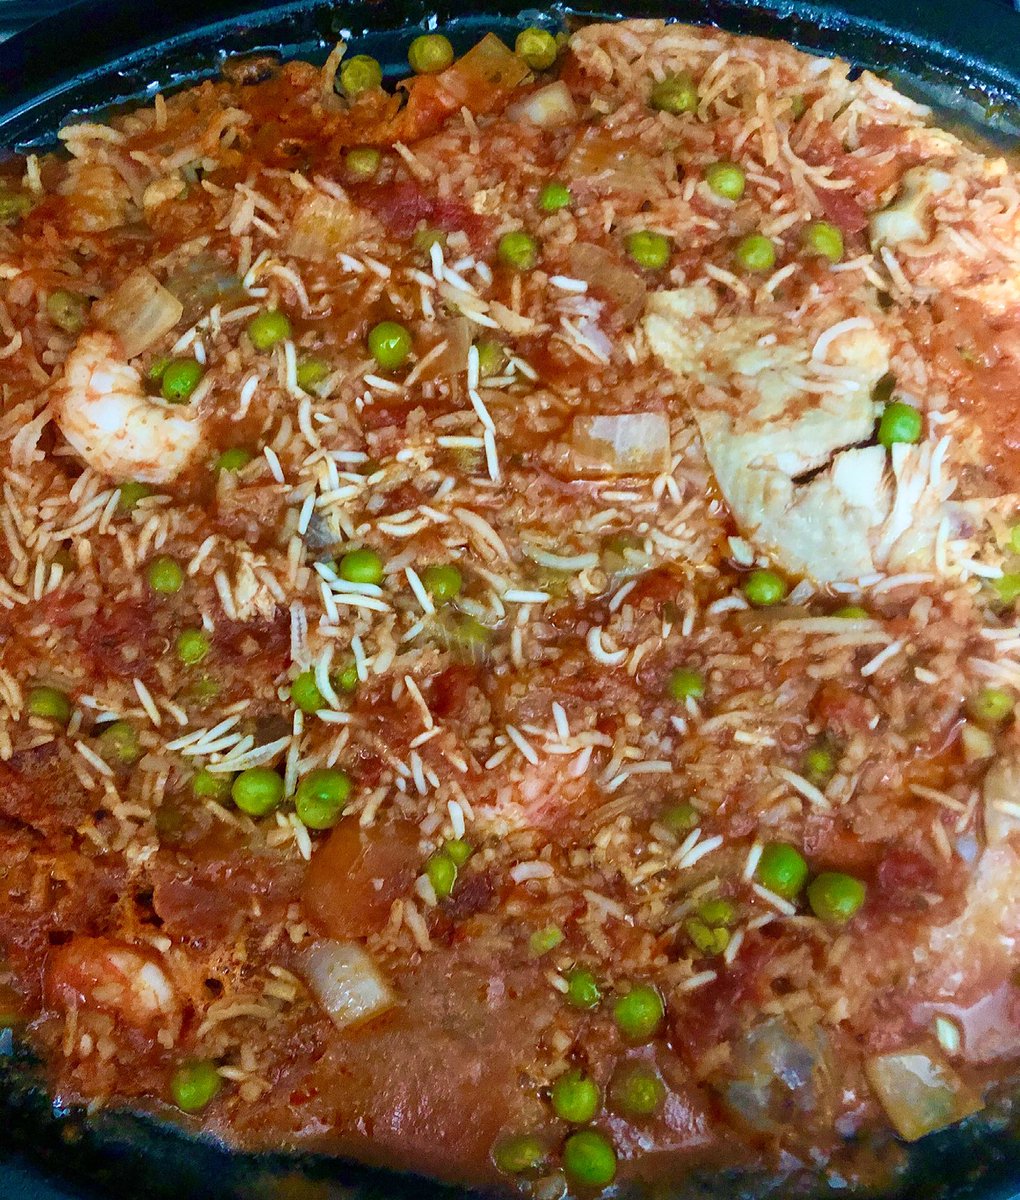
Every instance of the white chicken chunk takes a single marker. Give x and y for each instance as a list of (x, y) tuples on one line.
[(781, 421)]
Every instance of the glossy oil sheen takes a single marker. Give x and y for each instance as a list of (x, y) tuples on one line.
[(963, 55)]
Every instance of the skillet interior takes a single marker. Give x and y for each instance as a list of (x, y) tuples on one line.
[(967, 54)]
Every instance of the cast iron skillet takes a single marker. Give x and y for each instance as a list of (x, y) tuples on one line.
[(964, 53)]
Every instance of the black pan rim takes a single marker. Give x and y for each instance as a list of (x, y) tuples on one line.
[(124, 50)]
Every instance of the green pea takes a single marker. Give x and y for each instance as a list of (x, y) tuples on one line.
[(361, 163), (311, 372), (575, 1098), (425, 239), (706, 939), (675, 94), (181, 377), (458, 850), (991, 706), (158, 366), (1014, 539), (545, 939), (470, 637), (755, 253), (648, 249), (321, 796), (717, 911), (192, 646), (537, 47), (13, 206), (234, 458), (523, 1154), (899, 423), (268, 329), (492, 358), (361, 566), (582, 989), (390, 344), (120, 743), (819, 764), (825, 239), (257, 791), (442, 582), (67, 310), (304, 692), (442, 873), (554, 196), (165, 575), (852, 612), (685, 683), (782, 869), (130, 493), (882, 392), (204, 689), (636, 1091), (764, 588), (518, 250), (205, 785), (348, 679), (726, 179), (680, 818), (430, 53), (194, 1084), (359, 74), (50, 703), (835, 897), (589, 1159), (639, 1013), (1008, 587)]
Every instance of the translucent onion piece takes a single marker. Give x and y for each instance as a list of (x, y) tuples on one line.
[(139, 311), (484, 76), (623, 287), (920, 1092), (547, 107), (325, 226), (346, 982), (598, 157), (1002, 801), (622, 444)]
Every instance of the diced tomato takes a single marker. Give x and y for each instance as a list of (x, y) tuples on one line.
[(841, 710), (843, 209), (429, 105), (448, 690), (355, 877), (403, 206), (122, 641)]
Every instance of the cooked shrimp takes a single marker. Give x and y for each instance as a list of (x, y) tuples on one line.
[(111, 976), (101, 407)]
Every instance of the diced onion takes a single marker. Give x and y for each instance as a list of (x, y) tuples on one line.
[(621, 444), (598, 156), (547, 107), (324, 227), (919, 1092), (977, 743), (453, 359), (484, 76), (346, 982), (602, 271), (139, 311), (1002, 801), (907, 219)]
